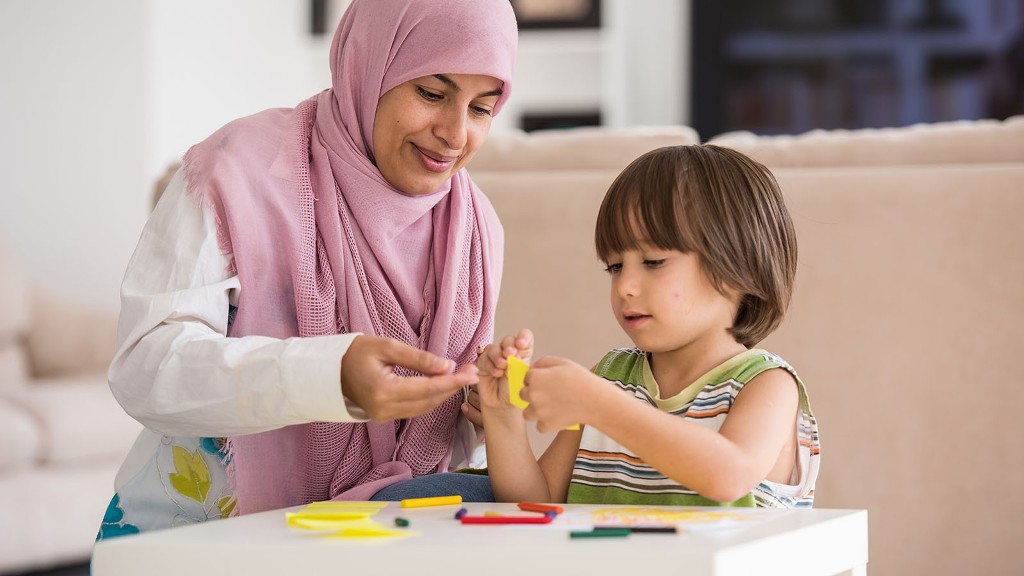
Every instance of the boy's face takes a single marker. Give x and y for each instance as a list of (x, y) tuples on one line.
[(665, 302)]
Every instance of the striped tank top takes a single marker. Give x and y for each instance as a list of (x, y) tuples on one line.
[(607, 473)]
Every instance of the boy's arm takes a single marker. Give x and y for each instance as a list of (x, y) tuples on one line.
[(513, 469), (515, 473), (721, 465), (558, 461)]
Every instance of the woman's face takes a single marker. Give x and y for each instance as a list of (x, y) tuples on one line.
[(428, 128)]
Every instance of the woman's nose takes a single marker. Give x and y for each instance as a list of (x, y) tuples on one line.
[(451, 127)]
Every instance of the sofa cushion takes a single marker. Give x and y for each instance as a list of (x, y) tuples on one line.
[(550, 260), (13, 371), (67, 338), (904, 324), (960, 142), (20, 437), (590, 148), (14, 303), (79, 419)]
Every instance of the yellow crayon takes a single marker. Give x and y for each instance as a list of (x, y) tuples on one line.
[(431, 501)]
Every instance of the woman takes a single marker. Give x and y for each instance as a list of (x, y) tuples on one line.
[(301, 269)]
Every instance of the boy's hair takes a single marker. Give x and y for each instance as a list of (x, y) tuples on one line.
[(720, 204)]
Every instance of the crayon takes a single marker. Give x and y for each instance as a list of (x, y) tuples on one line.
[(401, 522), (506, 519), (600, 533), (431, 501), (543, 508), (654, 529), (648, 529), (462, 512)]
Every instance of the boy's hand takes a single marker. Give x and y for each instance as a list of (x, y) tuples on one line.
[(492, 364), (559, 391)]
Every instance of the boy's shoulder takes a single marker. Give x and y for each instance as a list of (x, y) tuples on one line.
[(742, 368), (619, 362), (748, 365), (745, 366)]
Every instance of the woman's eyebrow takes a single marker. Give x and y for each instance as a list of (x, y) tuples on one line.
[(455, 87)]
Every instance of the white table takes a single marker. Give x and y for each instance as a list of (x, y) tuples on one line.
[(790, 542)]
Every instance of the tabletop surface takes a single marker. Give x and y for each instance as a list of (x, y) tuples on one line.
[(720, 541)]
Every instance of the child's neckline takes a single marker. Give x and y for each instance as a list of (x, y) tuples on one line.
[(687, 394)]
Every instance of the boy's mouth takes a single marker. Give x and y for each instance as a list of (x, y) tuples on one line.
[(634, 319)]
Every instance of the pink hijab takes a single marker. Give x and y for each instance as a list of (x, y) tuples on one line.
[(323, 245)]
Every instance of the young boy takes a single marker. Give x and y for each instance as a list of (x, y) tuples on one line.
[(701, 255)]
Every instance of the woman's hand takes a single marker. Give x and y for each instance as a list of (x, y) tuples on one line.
[(492, 365), (471, 409), (561, 393), (368, 378)]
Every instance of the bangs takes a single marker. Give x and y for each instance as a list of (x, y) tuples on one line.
[(642, 207)]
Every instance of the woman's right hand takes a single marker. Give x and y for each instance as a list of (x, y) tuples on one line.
[(368, 378)]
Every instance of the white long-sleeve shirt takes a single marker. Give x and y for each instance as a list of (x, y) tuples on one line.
[(177, 372)]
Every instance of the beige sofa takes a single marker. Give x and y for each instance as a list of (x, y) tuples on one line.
[(62, 434), (908, 311)]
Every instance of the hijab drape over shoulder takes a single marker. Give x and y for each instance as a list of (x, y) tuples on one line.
[(322, 244)]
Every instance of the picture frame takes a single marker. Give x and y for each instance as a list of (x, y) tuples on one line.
[(557, 14)]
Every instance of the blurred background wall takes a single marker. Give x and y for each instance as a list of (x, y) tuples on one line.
[(97, 97)]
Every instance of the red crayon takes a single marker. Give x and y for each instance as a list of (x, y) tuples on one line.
[(506, 519), (542, 508)]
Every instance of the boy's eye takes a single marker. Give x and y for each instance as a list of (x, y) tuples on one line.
[(613, 268), (654, 263)]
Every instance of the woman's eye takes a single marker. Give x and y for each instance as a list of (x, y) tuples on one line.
[(654, 263), (613, 268), (428, 95), (480, 110)]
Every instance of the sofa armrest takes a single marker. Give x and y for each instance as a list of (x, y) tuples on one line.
[(65, 338)]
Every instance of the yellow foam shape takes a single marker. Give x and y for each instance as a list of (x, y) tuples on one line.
[(315, 523), (343, 506), (516, 373), (331, 515), (328, 515), (358, 528), (372, 533)]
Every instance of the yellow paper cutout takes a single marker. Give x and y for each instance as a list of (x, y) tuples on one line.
[(332, 515), (516, 373), (373, 533), (344, 520), (344, 507)]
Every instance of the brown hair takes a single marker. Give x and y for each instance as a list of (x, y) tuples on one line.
[(720, 204)]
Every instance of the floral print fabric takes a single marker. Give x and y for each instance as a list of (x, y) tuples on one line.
[(185, 482)]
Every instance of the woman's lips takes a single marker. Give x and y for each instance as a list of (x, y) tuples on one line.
[(434, 162)]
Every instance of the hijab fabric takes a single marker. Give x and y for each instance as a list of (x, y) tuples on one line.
[(323, 244)]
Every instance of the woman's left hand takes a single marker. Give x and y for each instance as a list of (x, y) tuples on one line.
[(471, 409)]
